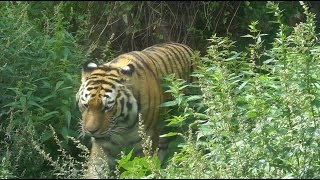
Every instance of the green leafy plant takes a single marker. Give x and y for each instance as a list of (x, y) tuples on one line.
[(145, 166)]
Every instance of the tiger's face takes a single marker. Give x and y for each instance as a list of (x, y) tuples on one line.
[(104, 100)]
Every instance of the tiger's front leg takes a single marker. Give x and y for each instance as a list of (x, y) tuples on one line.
[(99, 163)]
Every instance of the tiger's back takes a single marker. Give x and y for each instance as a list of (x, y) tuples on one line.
[(160, 60), (113, 94), (152, 64)]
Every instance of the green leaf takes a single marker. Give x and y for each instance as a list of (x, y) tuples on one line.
[(194, 97), (204, 130), (242, 85), (125, 159), (168, 104), (233, 57), (170, 134), (251, 114), (46, 135), (69, 87), (201, 116), (248, 35), (59, 83), (65, 133), (73, 133), (49, 115), (176, 120), (67, 115), (23, 101), (12, 104), (49, 97), (16, 90), (259, 39), (35, 104), (125, 18)]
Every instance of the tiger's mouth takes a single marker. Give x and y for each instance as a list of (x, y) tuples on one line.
[(96, 134)]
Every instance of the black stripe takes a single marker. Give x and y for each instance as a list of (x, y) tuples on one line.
[(156, 53), (162, 64), (187, 49), (155, 62), (110, 102), (143, 62), (141, 59), (138, 102), (129, 106), (121, 106), (150, 111), (112, 75), (135, 121), (151, 60), (187, 61), (153, 113), (116, 80), (93, 82), (107, 90), (176, 60), (127, 94), (92, 87), (179, 58), (180, 51), (97, 74), (124, 118), (168, 59)]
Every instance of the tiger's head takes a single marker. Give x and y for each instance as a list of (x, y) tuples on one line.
[(105, 99)]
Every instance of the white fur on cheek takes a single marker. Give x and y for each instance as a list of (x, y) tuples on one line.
[(86, 99), (106, 100)]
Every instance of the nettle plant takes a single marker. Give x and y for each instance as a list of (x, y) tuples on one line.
[(263, 104)]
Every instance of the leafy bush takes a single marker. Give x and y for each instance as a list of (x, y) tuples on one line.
[(262, 118), (38, 79)]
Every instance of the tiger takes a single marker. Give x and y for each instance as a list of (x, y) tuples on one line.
[(113, 94)]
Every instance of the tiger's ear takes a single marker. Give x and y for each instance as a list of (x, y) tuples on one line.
[(87, 68), (128, 70)]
